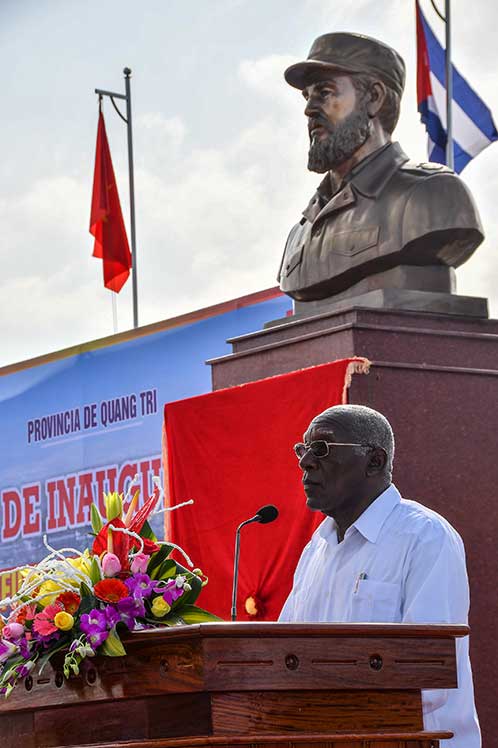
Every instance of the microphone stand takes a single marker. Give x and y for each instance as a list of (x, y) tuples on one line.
[(236, 564)]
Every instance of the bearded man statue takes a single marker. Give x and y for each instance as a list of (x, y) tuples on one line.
[(376, 219)]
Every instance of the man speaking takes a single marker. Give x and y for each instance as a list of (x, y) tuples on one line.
[(378, 557)]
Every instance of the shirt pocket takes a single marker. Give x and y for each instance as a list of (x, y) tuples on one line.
[(354, 241), (294, 261), (376, 602)]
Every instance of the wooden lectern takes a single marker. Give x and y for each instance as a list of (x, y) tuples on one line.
[(260, 685)]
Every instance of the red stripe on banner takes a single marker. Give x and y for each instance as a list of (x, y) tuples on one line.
[(232, 452), (424, 88)]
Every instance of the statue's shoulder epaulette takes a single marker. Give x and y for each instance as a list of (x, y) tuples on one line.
[(426, 168)]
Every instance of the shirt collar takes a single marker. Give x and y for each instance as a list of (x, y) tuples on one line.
[(372, 174), (369, 524)]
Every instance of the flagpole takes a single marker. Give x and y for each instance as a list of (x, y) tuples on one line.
[(127, 75), (449, 89), (114, 312)]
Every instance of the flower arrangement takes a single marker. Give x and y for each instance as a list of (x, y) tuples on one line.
[(77, 604)]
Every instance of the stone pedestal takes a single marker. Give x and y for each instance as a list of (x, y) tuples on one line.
[(436, 378)]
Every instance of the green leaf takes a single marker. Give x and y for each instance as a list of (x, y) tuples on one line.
[(113, 647), (10, 665), (85, 590), (94, 572), (88, 600), (96, 519), (166, 570), (147, 532), (192, 614), (157, 559), (189, 598)]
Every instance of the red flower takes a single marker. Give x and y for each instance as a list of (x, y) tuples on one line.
[(149, 546), (120, 542), (70, 601), (23, 614), (143, 514), (111, 590)]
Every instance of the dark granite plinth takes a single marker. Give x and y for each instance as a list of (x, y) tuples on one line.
[(436, 378), (379, 335), (396, 298)]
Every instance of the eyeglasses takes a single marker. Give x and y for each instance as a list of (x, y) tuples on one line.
[(321, 448)]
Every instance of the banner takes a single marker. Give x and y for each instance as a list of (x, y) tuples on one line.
[(86, 423)]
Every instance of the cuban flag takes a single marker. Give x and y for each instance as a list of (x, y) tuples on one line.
[(473, 126)]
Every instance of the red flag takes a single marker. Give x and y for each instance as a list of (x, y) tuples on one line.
[(106, 219)]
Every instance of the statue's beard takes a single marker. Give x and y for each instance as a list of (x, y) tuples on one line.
[(342, 142)]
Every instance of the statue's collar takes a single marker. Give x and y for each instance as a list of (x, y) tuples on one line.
[(369, 177)]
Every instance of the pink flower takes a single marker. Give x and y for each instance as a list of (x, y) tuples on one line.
[(140, 563), (111, 565), (13, 631), (44, 621)]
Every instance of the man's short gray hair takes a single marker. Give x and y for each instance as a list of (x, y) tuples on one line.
[(363, 426)]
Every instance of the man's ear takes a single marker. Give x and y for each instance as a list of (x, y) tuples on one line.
[(377, 97), (377, 461)]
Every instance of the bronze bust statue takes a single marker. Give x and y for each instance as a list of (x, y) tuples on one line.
[(375, 210)]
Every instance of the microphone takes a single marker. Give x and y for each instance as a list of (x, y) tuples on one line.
[(266, 514)]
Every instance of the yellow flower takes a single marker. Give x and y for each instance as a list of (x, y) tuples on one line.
[(47, 587), (160, 607), (81, 563), (64, 621)]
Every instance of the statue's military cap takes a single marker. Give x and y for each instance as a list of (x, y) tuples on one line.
[(348, 54)]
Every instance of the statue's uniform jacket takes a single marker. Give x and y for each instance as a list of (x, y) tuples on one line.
[(388, 212)]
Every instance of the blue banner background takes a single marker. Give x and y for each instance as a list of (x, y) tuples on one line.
[(169, 364)]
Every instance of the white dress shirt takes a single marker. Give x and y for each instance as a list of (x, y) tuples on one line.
[(398, 563)]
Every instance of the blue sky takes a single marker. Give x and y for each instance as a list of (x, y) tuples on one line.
[(220, 149)]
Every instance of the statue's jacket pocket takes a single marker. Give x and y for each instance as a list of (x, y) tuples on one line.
[(352, 242), (294, 261)]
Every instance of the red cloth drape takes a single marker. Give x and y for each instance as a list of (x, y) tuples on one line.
[(231, 451), (106, 219)]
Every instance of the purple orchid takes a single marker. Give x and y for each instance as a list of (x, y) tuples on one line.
[(112, 616), (24, 648), (131, 608), (94, 625), (25, 668), (171, 591), (140, 585)]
